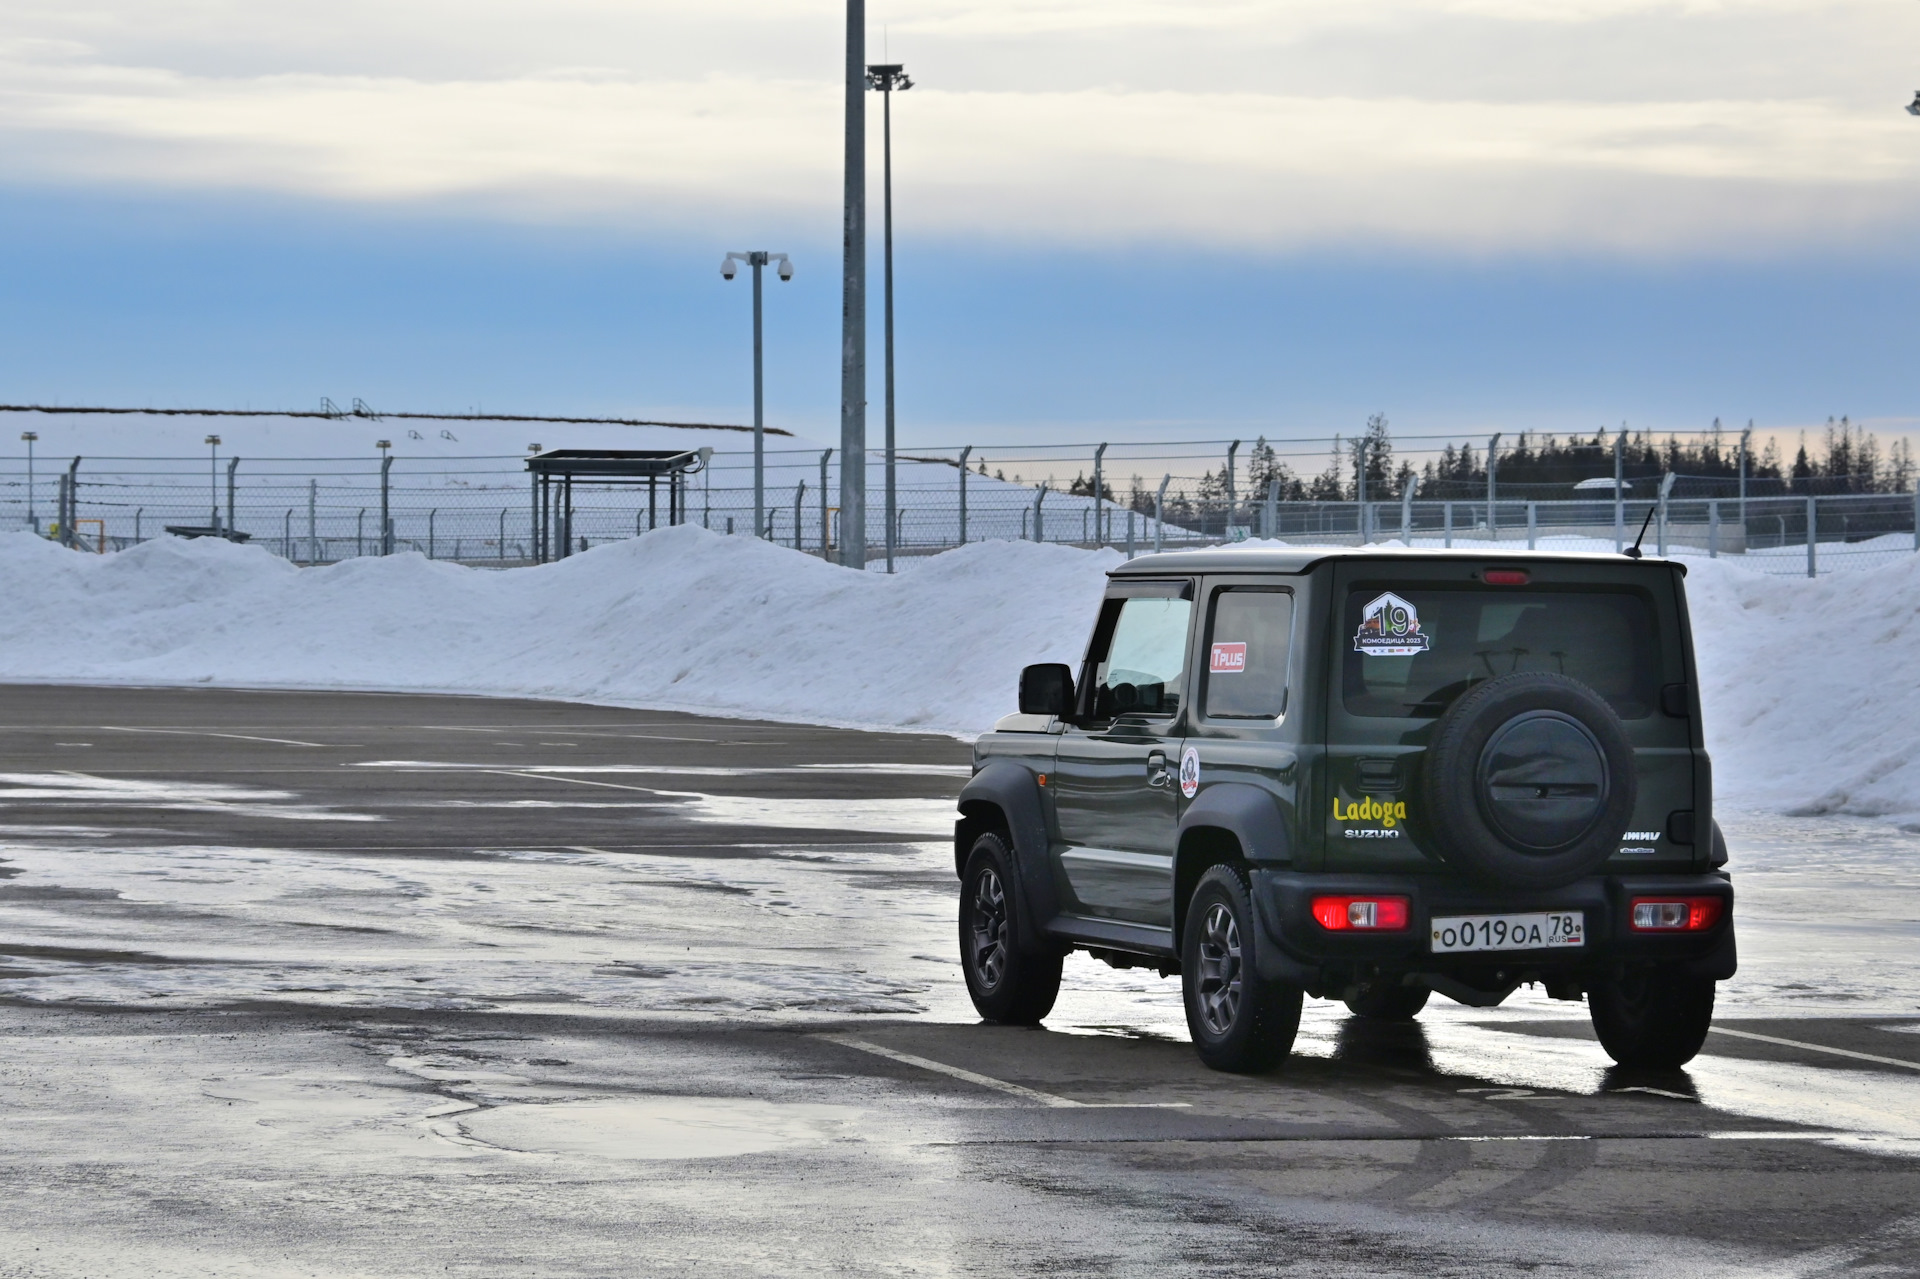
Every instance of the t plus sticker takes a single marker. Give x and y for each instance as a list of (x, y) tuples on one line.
[(1228, 659), (1190, 772), (1390, 627)]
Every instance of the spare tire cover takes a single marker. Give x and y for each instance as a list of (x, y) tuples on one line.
[(1528, 781)]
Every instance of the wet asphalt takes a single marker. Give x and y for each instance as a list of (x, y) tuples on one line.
[(353, 984)]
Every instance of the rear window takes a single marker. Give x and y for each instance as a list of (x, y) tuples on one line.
[(1409, 653)]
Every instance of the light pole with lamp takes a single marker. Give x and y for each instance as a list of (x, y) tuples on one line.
[(33, 521), (213, 481), (757, 259), (884, 78)]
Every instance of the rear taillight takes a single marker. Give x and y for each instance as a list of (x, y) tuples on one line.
[(1675, 914), (1361, 914)]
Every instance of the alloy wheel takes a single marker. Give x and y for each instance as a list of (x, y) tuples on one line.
[(989, 929), (1219, 985)]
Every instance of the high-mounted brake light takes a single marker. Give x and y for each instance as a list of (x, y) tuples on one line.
[(1505, 577), (1361, 914), (1675, 914)]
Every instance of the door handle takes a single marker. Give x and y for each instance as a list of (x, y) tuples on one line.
[(1157, 768)]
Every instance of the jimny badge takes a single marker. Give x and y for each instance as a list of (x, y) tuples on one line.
[(1390, 627)]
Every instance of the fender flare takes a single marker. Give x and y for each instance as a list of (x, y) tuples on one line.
[(1248, 813), (1011, 790)]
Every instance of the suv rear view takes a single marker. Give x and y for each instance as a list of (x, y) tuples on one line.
[(1361, 775)]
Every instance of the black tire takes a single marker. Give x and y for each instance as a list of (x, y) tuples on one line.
[(1240, 1022), (1528, 782), (1388, 1003), (1009, 984), (1652, 1017)]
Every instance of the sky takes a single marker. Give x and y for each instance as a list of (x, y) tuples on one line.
[(1121, 219)]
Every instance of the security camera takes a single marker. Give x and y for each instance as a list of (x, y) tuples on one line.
[(727, 269), (786, 269)]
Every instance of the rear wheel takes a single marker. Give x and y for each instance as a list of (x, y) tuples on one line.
[(1388, 1003), (1008, 984), (1652, 1017), (1240, 1021)]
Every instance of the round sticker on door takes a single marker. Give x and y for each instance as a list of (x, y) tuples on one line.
[(1190, 773)]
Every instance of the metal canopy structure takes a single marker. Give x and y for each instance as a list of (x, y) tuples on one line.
[(612, 468)]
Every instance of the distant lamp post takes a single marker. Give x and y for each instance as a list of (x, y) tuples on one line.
[(757, 259), (33, 521), (213, 479), (885, 78)]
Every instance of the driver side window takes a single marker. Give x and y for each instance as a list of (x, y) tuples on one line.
[(1145, 659)]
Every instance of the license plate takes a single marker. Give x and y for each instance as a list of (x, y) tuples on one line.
[(1509, 932)]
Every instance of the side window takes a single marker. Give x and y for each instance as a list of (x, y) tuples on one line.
[(1145, 658), (1247, 646)]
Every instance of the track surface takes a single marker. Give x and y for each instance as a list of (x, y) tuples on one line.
[(367, 985)]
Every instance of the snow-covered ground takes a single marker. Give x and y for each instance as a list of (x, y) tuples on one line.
[(1810, 696)]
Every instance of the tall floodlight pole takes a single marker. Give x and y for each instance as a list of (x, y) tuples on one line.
[(33, 521), (885, 78), (213, 478), (757, 259), (853, 301)]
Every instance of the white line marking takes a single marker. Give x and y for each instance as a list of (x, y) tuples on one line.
[(1817, 1048), (940, 1067), (577, 781), (194, 732)]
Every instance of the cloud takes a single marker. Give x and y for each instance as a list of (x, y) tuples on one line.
[(1152, 120)]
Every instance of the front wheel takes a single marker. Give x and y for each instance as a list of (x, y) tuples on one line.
[(1008, 984), (1240, 1021), (1652, 1017)]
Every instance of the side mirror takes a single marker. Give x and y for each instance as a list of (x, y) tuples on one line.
[(1046, 689)]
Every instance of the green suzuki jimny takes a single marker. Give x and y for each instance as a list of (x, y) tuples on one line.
[(1363, 775)]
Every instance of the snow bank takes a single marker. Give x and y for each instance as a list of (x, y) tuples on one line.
[(1811, 686), (678, 619)]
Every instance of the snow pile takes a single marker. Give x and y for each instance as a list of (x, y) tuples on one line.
[(1810, 687), (678, 619)]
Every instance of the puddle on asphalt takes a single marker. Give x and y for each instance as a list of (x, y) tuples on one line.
[(657, 1127), (129, 792)]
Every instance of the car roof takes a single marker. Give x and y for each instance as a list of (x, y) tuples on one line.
[(1279, 557)]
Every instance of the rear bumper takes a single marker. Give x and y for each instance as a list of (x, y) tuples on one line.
[(1295, 948)]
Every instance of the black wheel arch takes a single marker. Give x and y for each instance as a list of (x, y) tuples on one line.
[(1227, 822), (1004, 798)]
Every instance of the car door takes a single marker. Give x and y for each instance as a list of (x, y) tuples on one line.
[(1115, 786)]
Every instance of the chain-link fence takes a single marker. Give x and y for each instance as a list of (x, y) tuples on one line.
[(480, 511)]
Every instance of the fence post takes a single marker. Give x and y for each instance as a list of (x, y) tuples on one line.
[(799, 509), (1160, 511), (1666, 487), (1273, 510), (1813, 535), (1619, 493), (1039, 516), (1713, 529), (1916, 518), (233, 464), (1406, 510), (68, 534), (1533, 525), (313, 544), (286, 534), (501, 546), (963, 492), (1447, 523), (137, 514), (1493, 494), (1130, 532), (432, 516), (360, 532), (386, 518), (1099, 490), (825, 530)]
